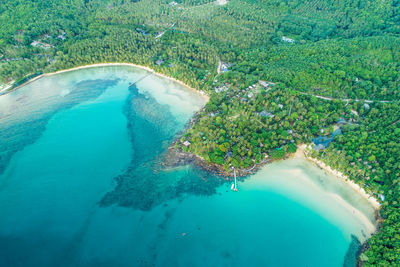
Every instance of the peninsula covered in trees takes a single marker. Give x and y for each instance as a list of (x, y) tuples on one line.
[(279, 73)]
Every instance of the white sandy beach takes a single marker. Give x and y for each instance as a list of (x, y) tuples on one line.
[(302, 152), (345, 192), (204, 95), (303, 181)]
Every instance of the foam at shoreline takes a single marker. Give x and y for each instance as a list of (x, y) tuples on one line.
[(181, 217), (206, 97), (373, 201), (332, 197)]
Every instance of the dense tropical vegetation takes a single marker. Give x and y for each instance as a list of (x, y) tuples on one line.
[(279, 57)]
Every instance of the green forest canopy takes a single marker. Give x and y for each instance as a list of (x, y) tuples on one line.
[(348, 51)]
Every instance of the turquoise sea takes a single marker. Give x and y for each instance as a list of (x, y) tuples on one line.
[(82, 184)]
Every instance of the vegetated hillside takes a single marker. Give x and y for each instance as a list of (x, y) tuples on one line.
[(279, 73)]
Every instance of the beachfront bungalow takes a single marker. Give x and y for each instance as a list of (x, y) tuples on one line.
[(62, 36), (266, 84), (35, 44), (221, 2), (41, 45), (266, 114), (225, 66), (287, 40), (222, 88), (159, 62)]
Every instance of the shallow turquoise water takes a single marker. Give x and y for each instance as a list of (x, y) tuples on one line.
[(82, 184)]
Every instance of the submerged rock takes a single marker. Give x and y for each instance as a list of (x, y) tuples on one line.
[(350, 260), (156, 174)]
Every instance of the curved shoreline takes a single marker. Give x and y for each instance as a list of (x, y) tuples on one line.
[(301, 149), (204, 95), (211, 167), (306, 183), (369, 219), (372, 200), (182, 157), (301, 152)]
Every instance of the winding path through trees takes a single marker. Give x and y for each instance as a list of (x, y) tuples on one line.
[(347, 99)]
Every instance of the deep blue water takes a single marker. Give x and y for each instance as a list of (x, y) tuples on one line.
[(82, 184)]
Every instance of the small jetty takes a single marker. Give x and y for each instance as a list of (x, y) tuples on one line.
[(140, 79), (234, 185)]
